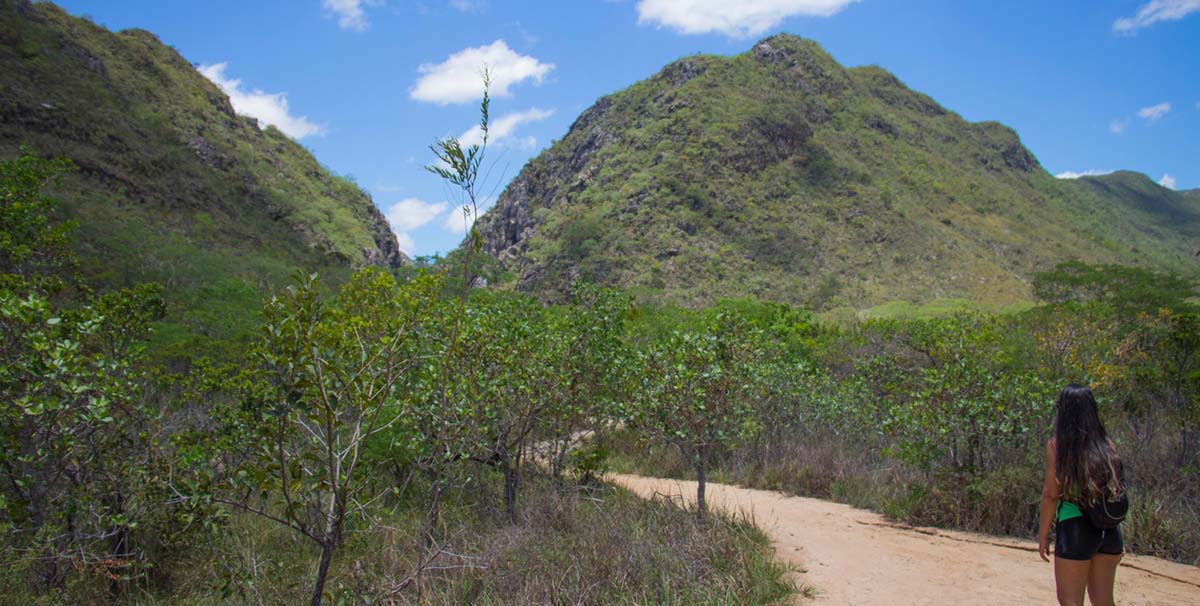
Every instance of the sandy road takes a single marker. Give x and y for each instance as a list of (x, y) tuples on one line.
[(855, 557)]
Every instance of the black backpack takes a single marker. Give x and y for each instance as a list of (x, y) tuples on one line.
[(1109, 512)]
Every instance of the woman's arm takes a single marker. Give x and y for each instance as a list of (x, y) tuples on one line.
[(1049, 504)]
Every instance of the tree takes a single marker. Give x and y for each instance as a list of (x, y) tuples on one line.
[(697, 390), (502, 379), (73, 436), (332, 375), (442, 419), (1162, 358), (965, 403), (589, 365)]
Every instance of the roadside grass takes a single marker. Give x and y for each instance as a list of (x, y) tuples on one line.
[(576, 545)]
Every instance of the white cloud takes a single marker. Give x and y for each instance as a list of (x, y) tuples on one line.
[(1167, 181), (503, 127), (411, 213), (271, 108), (1070, 174), (459, 79), (460, 217), (405, 242), (350, 13), (1154, 11), (1154, 112), (1117, 127), (740, 18), (458, 220)]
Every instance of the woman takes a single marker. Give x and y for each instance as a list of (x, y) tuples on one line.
[(1081, 467)]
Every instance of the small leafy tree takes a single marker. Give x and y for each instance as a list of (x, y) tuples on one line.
[(784, 374), (697, 392), (590, 368), (331, 373), (1075, 343), (73, 429), (443, 420), (502, 377), (1162, 359), (964, 403)]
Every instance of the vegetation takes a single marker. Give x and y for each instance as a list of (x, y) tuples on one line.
[(782, 175), (942, 421), (84, 483), (291, 472), (116, 461), (331, 372), (195, 433)]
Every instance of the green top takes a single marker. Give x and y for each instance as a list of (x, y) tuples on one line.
[(1068, 510)]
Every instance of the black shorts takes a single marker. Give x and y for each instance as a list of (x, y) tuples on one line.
[(1078, 539)]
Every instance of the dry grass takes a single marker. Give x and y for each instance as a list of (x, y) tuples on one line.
[(571, 546)]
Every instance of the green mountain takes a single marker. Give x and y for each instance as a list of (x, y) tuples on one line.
[(781, 174), (172, 185), (1137, 192)]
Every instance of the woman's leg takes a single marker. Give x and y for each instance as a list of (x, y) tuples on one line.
[(1071, 579), (1101, 577)]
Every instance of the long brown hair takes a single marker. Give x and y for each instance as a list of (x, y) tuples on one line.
[(1086, 465)]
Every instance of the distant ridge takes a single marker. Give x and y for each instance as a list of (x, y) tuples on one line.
[(1140, 192)]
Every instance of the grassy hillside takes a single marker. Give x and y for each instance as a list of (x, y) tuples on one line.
[(172, 185), (780, 174)]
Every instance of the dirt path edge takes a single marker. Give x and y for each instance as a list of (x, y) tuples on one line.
[(856, 557)]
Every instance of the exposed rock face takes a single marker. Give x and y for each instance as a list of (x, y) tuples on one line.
[(387, 249), (207, 153), (801, 65), (1019, 158), (507, 225), (682, 71), (87, 59)]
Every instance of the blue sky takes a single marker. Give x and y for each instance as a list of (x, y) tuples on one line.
[(367, 85)]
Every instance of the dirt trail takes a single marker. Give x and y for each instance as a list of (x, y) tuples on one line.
[(855, 557)]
